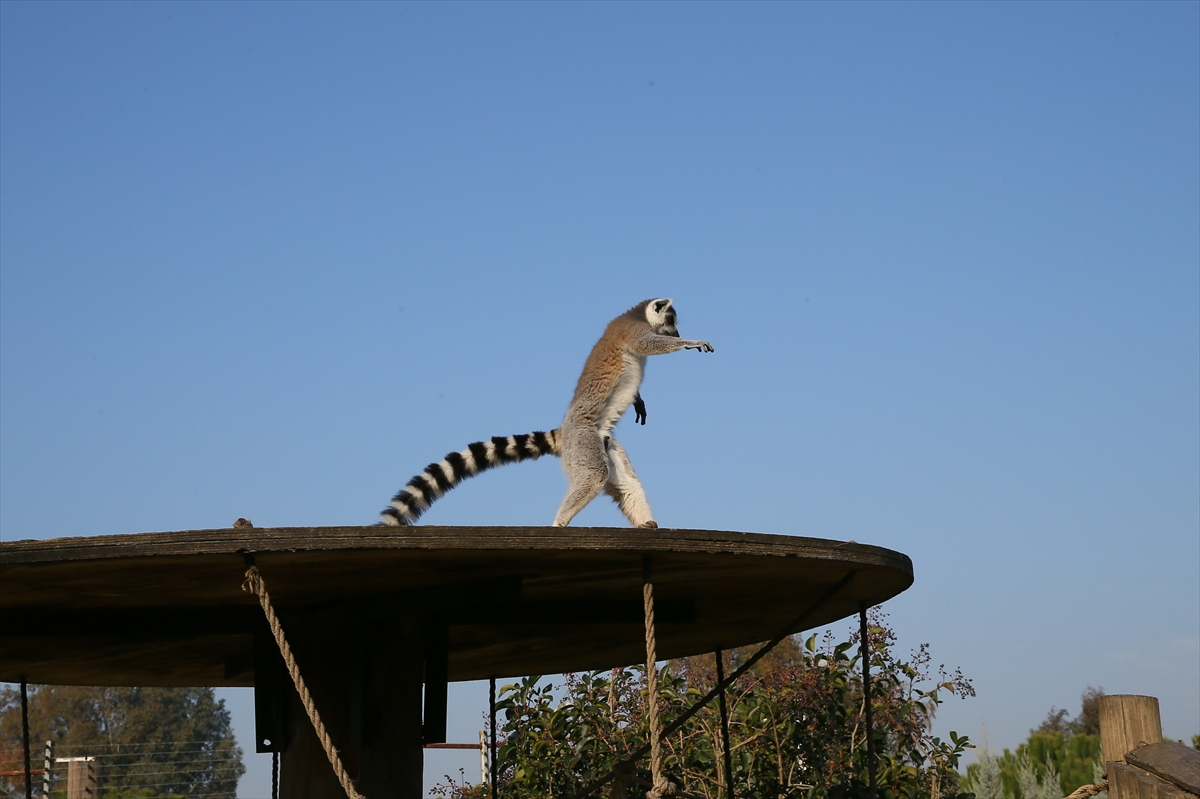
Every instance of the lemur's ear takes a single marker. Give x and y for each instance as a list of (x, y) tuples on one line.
[(661, 305)]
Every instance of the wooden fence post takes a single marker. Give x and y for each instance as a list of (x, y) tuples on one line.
[(83, 778), (1127, 721)]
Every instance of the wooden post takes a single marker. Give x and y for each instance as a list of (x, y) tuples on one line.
[(365, 679), (436, 636), (47, 764), (1127, 721), (483, 758), (83, 778)]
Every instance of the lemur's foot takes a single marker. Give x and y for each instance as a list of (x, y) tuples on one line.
[(649, 525)]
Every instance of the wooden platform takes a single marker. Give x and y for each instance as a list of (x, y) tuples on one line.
[(167, 608)]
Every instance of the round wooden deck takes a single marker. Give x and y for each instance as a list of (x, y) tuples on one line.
[(168, 609), (381, 619)]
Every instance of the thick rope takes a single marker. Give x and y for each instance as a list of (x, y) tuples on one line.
[(254, 585), (1084, 791), (661, 786)]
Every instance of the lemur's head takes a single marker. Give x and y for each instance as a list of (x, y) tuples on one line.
[(661, 316)]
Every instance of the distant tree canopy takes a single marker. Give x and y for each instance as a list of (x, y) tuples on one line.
[(1086, 723), (796, 727), (149, 742)]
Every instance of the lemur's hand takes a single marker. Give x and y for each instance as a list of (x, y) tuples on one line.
[(703, 346), (639, 409)]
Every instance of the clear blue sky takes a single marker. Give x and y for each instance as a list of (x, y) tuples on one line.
[(268, 260)]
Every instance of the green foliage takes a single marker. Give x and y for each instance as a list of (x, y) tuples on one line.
[(1032, 785), (1060, 755), (151, 743), (797, 727), (983, 778)]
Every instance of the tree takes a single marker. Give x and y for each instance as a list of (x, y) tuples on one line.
[(983, 778), (797, 727), (150, 742)]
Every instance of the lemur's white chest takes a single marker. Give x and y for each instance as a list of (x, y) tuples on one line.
[(620, 397)]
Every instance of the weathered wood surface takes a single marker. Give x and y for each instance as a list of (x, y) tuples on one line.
[(168, 609), (1127, 721), (1172, 761), (1131, 782)]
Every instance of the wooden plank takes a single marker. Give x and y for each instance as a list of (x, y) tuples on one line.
[(436, 640), (1168, 791), (567, 612), (273, 688), (376, 537), (1123, 781), (1171, 761)]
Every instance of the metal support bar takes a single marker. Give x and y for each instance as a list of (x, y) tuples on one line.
[(25, 733), (495, 766), (727, 757), (865, 648)]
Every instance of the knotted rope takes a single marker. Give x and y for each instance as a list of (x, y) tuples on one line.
[(254, 585), (1084, 791), (661, 786)]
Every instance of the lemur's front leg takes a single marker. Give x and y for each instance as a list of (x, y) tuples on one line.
[(639, 409)]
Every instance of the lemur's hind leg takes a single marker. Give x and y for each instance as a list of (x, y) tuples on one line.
[(625, 488), (587, 471)]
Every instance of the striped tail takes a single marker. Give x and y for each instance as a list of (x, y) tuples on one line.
[(438, 478)]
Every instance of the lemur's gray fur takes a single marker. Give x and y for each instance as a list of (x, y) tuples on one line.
[(591, 456)]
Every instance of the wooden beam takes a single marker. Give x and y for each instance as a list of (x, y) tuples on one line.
[(436, 640), (272, 688), (1172, 761)]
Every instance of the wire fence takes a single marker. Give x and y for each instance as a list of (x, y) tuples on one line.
[(145, 770)]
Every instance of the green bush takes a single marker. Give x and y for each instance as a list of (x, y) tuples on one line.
[(796, 729)]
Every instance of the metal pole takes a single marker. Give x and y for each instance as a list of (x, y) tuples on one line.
[(275, 774), (47, 764), (495, 766), (865, 648), (728, 759), (25, 732)]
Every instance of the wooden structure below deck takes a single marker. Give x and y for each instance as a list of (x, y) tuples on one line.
[(374, 613)]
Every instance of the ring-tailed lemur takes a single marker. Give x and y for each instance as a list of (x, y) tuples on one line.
[(591, 456)]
